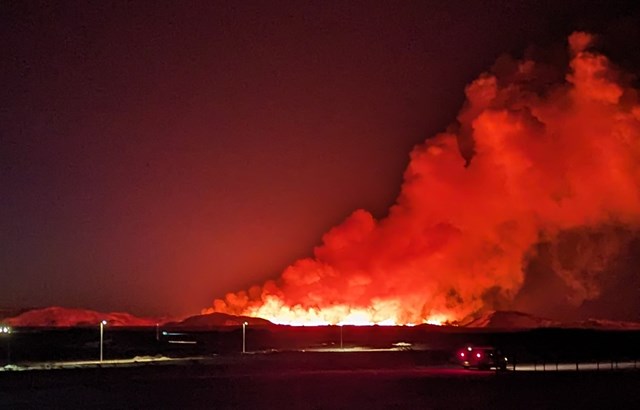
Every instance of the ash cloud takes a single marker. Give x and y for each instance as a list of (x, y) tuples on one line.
[(540, 154)]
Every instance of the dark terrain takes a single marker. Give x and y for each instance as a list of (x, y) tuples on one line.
[(314, 381), (432, 344), (287, 368)]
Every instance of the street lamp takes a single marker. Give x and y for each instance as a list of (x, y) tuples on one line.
[(244, 330), (102, 325), (6, 330)]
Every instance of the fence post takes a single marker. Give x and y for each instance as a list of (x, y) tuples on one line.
[(577, 368)]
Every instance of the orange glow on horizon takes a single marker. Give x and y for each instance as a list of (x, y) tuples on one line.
[(379, 314)]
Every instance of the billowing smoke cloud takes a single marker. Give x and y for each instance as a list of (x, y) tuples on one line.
[(534, 157)]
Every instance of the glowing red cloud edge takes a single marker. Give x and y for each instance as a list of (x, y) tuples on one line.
[(536, 150)]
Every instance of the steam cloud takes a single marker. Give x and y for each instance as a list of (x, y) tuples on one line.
[(536, 155)]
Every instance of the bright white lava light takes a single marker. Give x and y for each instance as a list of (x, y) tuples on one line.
[(380, 313)]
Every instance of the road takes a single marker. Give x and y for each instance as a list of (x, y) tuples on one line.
[(311, 382)]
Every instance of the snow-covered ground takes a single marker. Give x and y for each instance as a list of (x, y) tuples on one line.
[(572, 367), (158, 360), (135, 361)]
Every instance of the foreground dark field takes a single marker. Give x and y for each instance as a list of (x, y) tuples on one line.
[(432, 345), (314, 381), (306, 368)]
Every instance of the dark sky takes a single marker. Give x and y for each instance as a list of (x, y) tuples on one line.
[(156, 155)]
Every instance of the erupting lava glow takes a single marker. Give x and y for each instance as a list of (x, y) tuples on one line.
[(379, 313), (537, 151)]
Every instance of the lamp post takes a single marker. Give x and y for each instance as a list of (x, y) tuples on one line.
[(244, 331), (102, 325), (6, 330)]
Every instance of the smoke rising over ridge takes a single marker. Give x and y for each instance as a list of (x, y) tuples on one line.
[(539, 154)]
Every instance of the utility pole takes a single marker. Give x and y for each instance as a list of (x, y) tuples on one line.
[(6, 330), (102, 324), (244, 327)]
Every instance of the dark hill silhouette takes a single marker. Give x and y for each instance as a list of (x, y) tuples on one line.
[(215, 320), (503, 319)]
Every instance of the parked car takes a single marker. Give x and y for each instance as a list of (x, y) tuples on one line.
[(481, 357)]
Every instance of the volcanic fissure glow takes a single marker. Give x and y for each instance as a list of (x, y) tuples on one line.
[(381, 313), (537, 151)]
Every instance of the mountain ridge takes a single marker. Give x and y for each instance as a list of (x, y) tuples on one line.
[(56, 316)]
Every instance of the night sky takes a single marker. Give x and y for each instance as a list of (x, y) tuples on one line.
[(157, 155)]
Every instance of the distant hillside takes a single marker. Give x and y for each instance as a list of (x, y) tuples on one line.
[(602, 324), (213, 320), (66, 317), (10, 312), (520, 320), (509, 320)]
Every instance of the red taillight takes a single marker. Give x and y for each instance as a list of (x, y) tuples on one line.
[(478, 355), (461, 354)]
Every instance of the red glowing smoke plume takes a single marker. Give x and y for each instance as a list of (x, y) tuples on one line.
[(533, 154)]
